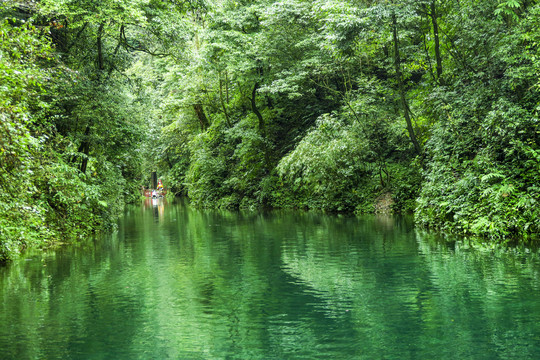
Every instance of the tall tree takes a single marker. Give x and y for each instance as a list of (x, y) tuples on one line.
[(401, 85)]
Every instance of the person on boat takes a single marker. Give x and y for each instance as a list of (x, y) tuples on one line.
[(159, 188), (154, 193)]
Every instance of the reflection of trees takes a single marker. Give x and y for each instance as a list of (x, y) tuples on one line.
[(449, 301), (59, 288), (357, 268), (211, 284), (487, 297)]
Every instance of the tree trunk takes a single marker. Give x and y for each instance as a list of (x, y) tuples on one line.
[(223, 102), (227, 86), (100, 63), (118, 45), (86, 152), (203, 120), (399, 78), (84, 148), (262, 126), (438, 58)]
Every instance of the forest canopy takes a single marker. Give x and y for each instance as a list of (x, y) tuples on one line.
[(422, 106)]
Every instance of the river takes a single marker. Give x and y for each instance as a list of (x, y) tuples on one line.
[(180, 283)]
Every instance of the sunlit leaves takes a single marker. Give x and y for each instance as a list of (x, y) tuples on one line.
[(93, 11), (507, 7), (45, 107)]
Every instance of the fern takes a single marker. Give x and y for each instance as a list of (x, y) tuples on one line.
[(492, 178), (507, 8)]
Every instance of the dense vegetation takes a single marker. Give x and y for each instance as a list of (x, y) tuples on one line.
[(353, 105), (68, 127)]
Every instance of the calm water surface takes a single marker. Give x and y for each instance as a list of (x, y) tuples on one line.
[(179, 283)]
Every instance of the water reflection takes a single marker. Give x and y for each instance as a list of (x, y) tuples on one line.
[(178, 283), (157, 205)]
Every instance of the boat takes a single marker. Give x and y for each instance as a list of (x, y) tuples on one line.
[(157, 191)]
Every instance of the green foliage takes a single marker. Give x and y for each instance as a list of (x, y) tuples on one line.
[(22, 219), (333, 105), (508, 8), (494, 190), (89, 11), (326, 165), (482, 172), (207, 171), (66, 140)]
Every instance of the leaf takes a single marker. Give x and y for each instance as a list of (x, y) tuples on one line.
[(492, 177)]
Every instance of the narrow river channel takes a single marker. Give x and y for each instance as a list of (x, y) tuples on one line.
[(179, 283)]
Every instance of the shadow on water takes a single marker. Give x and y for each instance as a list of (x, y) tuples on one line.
[(177, 282)]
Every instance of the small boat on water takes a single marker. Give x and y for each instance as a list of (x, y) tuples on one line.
[(157, 191), (154, 194)]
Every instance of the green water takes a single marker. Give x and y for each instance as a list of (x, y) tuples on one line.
[(179, 283)]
